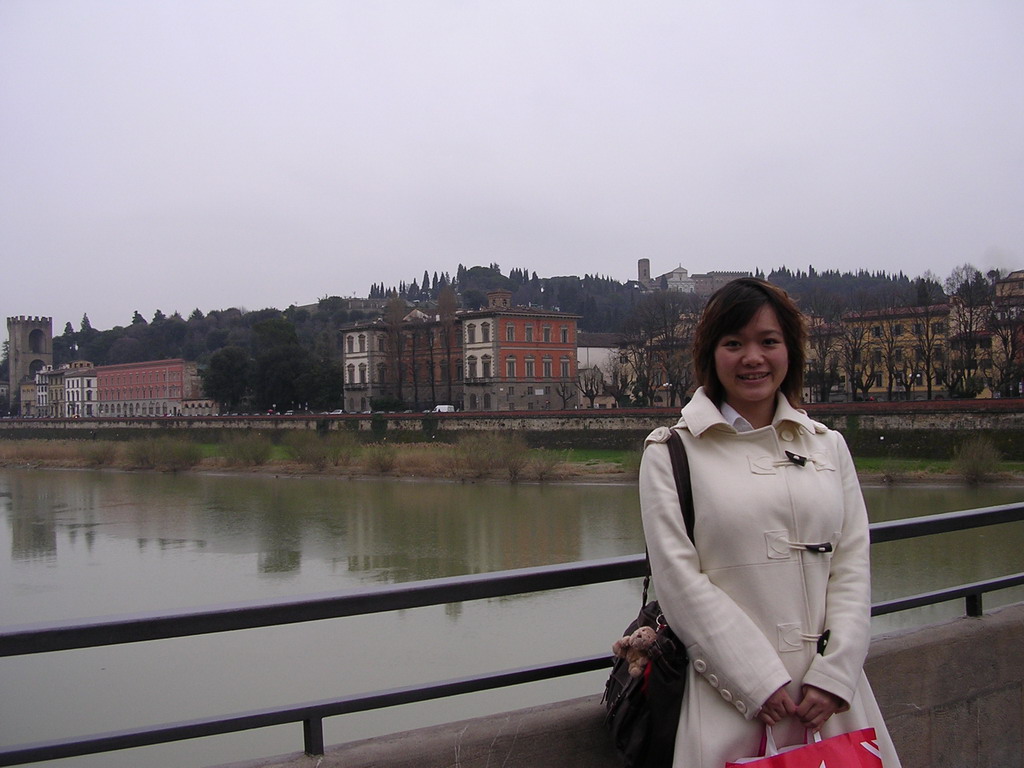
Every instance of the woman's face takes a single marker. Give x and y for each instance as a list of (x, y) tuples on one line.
[(751, 364)]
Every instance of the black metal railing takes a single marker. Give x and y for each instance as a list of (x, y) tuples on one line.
[(87, 633)]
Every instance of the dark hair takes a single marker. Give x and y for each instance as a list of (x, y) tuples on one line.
[(728, 310)]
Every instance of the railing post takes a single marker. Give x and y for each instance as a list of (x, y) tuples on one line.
[(974, 605), (313, 735)]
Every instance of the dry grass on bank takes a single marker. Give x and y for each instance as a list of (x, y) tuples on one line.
[(476, 456)]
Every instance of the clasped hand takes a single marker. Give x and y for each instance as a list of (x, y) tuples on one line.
[(814, 708)]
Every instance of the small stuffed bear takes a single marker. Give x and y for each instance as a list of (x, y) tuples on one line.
[(634, 649)]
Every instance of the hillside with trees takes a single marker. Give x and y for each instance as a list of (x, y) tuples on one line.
[(259, 358)]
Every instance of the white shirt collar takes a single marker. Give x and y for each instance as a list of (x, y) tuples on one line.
[(734, 419)]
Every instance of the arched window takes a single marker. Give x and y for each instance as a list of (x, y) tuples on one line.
[(510, 367)]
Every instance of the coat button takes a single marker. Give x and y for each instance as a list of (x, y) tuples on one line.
[(713, 679), (741, 707), (787, 435), (726, 695), (700, 665)]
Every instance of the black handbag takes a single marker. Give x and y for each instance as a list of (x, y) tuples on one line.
[(643, 712)]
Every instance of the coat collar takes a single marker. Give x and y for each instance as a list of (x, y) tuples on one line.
[(701, 414)]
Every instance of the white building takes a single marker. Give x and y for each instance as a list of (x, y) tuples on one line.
[(80, 389)]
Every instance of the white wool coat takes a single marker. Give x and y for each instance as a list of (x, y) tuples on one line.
[(747, 598)]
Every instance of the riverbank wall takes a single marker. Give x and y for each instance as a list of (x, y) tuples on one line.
[(951, 695), (921, 429)]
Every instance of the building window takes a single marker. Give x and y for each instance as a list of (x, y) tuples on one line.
[(565, 368), (546, 333), (471, 334), (487, 401), (471, 368), (510, 368), (362, 343), (529, 368), (510, 332), (486, 366), (547, 368), (564, 335), (529, 333), (485, 333)]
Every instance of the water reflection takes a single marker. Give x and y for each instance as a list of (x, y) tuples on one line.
[(306, 535)]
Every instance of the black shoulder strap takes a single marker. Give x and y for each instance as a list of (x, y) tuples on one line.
[(681, 470)]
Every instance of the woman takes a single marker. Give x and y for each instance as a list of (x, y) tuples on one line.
[(772, 598)]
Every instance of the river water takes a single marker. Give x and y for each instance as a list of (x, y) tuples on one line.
[(78, 544)]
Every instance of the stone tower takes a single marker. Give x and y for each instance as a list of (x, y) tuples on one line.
[(30, 347), (643, 269)]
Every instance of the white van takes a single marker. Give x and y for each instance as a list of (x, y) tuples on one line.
[(444, 409)]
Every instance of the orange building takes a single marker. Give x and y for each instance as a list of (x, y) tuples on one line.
[(518, 358)]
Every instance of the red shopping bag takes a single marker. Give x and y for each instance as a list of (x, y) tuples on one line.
[(857, 749)]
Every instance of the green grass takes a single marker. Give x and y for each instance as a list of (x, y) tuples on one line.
[(904, 466), (595, 455)]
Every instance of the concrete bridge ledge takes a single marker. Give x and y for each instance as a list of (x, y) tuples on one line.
[(951, 694)]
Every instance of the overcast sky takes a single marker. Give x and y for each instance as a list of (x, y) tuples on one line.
[(210, 153)]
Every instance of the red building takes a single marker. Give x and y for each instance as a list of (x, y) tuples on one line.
[(152, 388)]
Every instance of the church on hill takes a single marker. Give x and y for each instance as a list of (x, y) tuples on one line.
[(681, 280)]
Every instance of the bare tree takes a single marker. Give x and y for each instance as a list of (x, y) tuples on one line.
[(590, 382), (658, 336), (447, 306), (970, 298), (566, 390), (1007, 327), (857, 362), (824, 337), (619, 382), (394, 323), (929, 321)]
